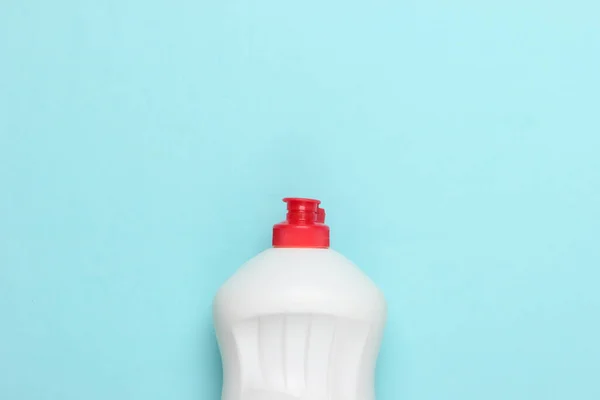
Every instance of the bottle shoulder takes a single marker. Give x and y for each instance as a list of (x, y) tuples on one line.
[(284, 280)]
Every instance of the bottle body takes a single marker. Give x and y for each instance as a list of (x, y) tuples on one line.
[(299, 324)]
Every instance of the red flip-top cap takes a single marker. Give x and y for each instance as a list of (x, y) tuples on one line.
[(304, 225)]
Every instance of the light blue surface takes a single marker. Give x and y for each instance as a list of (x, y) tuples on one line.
[(145, 146)]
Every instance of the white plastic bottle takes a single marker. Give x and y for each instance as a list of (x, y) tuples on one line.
[(299, 321)]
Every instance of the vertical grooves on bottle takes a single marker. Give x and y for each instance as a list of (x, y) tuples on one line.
[(261, 356), (306, 347), (239, 363), (361, 358), (330, 363), (283, 350), (320, 356)]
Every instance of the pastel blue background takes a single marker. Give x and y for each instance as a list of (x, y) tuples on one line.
[(145, 147)]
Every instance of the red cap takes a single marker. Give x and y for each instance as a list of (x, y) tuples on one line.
[(304, 225)]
